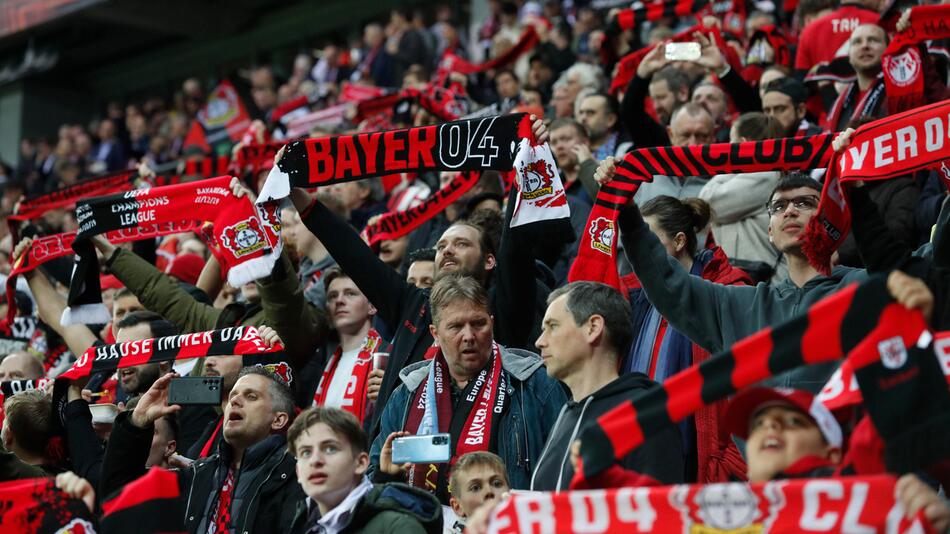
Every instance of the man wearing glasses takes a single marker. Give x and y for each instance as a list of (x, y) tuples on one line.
[(716, 316)]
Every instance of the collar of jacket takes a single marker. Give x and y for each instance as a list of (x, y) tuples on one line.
[(520, 364), (255, 454)]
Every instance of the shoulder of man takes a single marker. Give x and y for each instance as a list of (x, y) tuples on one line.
[(521, 364)]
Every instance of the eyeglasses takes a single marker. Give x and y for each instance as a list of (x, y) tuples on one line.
[(803, 203)]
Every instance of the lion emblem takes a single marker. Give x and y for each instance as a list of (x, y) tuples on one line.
[(537, 180), (602, 234), (245, 237)]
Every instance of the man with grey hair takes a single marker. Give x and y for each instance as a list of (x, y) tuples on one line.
[(586, 331), (578, 77), (488, 397)]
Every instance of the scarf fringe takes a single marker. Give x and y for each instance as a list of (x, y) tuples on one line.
[(85, 314), (818, 246)]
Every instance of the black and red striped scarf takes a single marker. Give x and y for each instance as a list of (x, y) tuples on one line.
[(628, 19), (893, 146), (868, 104), (428, 100), (153, 501), (902, 64), (36, 505), (473, 425), (597, 252), (475, 144), (248, 238), (34, 207), (354, 395), (829, 331)]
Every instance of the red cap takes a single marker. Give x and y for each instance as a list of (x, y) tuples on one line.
[(108, 281), (186, 267), (751, 401)]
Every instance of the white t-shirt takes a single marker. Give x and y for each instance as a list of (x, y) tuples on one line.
[(341, 378)]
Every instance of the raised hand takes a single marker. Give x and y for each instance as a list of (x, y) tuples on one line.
[(154, 403), (606, 170)]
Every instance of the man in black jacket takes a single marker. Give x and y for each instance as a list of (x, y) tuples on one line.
[(248, 486), (586, 329)]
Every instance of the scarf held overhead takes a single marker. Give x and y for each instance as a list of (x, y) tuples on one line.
[(476, 144), (902, 64), (893, 146), (248, 238), (847, 504), (828, 331), (597, 252)]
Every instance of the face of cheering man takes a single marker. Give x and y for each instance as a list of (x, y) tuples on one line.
[(349, 309), (460, 250), (249, 415), (136, 380), (867, 45), (779, 436), (789, 213), (464, 333)]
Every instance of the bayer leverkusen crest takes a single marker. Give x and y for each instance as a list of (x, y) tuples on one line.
[(245, 237), (602, 234), (537, 179)]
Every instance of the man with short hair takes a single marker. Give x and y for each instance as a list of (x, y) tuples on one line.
[(864, 98), (507, 85), (133, 327), (20, 365), (488, 397), (28, 427), (714, 99), (783, 99), (600, 113), (248, 485), (586, 331), (570, 145), (829, 36), (421, 270)]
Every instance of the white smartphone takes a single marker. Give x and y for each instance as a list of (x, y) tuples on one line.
[(433, 448), (683, 51)]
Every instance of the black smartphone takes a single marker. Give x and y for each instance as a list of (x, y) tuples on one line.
[(191, 390)]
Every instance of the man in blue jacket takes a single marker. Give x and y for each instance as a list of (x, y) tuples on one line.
[(487, 397)]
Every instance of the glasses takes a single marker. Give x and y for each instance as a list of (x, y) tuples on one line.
[(803, 203)]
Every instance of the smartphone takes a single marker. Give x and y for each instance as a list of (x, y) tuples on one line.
[(433, 448), (683, 51), (192, 390)]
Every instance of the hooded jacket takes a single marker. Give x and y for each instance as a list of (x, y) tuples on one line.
[(534, 401), (394, 508), (660, 456)]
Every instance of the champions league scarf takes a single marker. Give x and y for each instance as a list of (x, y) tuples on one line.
[(66, 197), (394, 225), (893, 146), (248, 238), (472, 426), (37, 506), (845, 504), (829, 331), (237, 340), (867, 106), (354, 394), (153, 500), (597, 253), (902, 63), (476, 144)]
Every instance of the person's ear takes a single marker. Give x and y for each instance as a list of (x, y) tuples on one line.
[(490, 262), (362, 464), (170, 448), (433, 331), (800, 111), (595, 327), (456, 506), (280, 420), (611, 120), (372, 310), (679, 241), (833, 454)]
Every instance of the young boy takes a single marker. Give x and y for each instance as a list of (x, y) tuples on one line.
[(477, 478), (332, 452)]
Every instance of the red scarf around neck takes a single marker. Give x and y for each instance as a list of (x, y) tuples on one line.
[(868, 104), (354, 395), (472, 426)]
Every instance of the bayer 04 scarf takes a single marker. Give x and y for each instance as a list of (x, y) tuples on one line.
[(902, 64), (36, 505), (828, 331), (354, 395), (893, 146), (860, 504), (597, 252), (248, 238)]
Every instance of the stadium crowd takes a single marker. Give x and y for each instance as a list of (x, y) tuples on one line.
[(541, 348)]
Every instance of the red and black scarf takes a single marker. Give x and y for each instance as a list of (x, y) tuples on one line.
[(894, 146), (868, 104), (36, 505), (828, 331), (354, 395), (473, 424), (597, 253), (859, 504), (903, 64), (248, 238), (453, 63), (154, 500)]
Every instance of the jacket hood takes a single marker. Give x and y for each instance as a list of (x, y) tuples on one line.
[(837, 275), (622, 386), (519, 363), (405, 499)]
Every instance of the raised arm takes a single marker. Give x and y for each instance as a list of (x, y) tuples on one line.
[(644, 131)]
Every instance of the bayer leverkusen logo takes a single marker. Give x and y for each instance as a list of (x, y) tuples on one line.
[(904, 69), (602, 234), (537, 179), (243, 238)]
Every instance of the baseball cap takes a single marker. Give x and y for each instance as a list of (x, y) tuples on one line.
[(747, 403)]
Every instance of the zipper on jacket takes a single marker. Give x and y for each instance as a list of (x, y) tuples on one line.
[(247, 510), (567, 453), (557, 422), (191, 489)]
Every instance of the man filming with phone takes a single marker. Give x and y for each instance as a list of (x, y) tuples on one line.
[(472, 395)]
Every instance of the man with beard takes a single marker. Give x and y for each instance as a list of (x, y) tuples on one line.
[(247, 485), (600, 114), (667, 86), (783, 99), (517, 299), (863, 98)]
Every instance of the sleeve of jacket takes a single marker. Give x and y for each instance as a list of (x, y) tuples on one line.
[(899, 206), (392, 420), (125, 456), (300, 325), (734, 197), (644, 131), (880, 250), (160, 294), (674, 292), (85, 449), (743, 95), (586, 177), (381, 284)]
